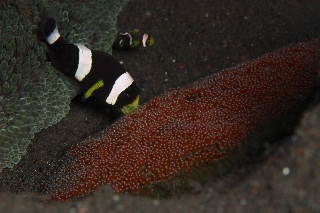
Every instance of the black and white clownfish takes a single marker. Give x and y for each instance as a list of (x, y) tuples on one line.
[(132, 39), (102, 79)]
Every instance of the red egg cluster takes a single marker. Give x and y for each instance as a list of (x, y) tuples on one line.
[(192, 126)]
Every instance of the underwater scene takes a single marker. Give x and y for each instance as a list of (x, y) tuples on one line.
[(166, 106)]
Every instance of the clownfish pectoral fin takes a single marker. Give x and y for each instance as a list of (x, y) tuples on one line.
[(135, 43), (92, 89)]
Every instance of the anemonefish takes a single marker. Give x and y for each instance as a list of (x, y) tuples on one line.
[(103, 80), (132, 39)]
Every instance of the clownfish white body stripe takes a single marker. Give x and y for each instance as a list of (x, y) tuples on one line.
[(102, 78), (85, 62), (124, 81)]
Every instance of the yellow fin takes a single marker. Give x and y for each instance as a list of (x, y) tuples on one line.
[(93, 88), (130, 107)]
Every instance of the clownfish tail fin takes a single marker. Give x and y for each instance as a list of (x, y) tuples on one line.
[(49, 26)]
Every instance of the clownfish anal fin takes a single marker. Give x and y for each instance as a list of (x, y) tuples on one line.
[(88, 93)]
